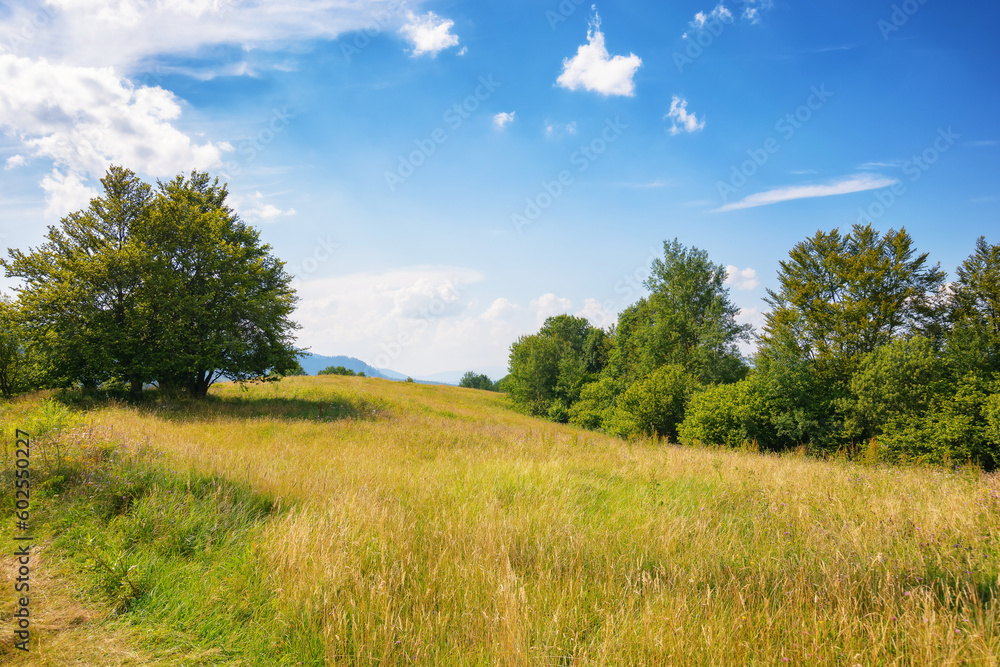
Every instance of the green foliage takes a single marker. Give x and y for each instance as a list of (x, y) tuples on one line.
[(687, 320), (337, 370), (473, 381), (974, 342), (655, 404), (409, 379), (548, 370), (14, 361), (843, 296), (956, 428), (170, 287), (733, 414), (596, 405), (904, 377)]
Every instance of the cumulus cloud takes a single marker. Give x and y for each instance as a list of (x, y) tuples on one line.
[(84, 119), (15, 161), (753, 8), (500, 309), (595, 313), (503, 119), (682, 121), (549, 305), (420, 319), (742, 279), (594, 69), (65, 193), (843, 186), (429, 33)]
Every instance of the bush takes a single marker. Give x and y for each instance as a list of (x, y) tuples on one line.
[(733, 414), (655, 404), (596, 404), (957, 427)]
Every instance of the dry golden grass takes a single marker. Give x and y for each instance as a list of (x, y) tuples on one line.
[(432, 525)]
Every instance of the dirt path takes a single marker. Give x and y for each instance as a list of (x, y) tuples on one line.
[(64, 630)]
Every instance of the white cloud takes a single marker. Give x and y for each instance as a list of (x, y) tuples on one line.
[(742, 279), (123, 33), (65, 193), (15, 161), (549, 305), (258, 210), (593, 310), (872, 166), (84, 119), (844, 186), (720, 13), (429, 33), (753, 8), (500, 309), (682, 121), (985, 142), (502, 119), (594, 69)]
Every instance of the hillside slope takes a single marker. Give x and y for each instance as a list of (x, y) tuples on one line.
[(417, 524)]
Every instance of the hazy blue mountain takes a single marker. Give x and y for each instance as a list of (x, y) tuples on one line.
[(314, 363)]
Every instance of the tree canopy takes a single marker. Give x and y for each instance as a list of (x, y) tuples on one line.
[(169, 287)]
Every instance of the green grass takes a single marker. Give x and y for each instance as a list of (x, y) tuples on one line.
[(353, 521)]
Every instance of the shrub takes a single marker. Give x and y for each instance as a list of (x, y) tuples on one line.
[(596, 404), (733, 414), (655, 404)]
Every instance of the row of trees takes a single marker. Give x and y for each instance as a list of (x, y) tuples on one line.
[(865, 342), (164, 286)]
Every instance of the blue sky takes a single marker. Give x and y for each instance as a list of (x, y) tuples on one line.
[(441, 176)]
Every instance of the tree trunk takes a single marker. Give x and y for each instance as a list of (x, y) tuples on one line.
[(135, 387)]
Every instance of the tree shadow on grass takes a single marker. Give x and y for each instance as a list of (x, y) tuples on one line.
[(183, 408)]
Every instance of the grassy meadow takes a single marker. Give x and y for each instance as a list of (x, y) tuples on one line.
[(351, 521)]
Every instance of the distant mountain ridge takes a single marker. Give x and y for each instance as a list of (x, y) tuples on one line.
[(314, 363)]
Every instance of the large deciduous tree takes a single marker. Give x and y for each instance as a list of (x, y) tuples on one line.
[(170, 287), (843, 296), (79, 289), (687, 320), (549, 369), (220, 301)]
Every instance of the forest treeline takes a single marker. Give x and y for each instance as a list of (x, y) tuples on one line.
[(866, 344)]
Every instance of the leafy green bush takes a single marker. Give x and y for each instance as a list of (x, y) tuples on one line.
[(732, 414), (596, 404), (955, 428), (655, 404)]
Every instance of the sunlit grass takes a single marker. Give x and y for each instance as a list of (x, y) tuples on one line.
[(432, 525)]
